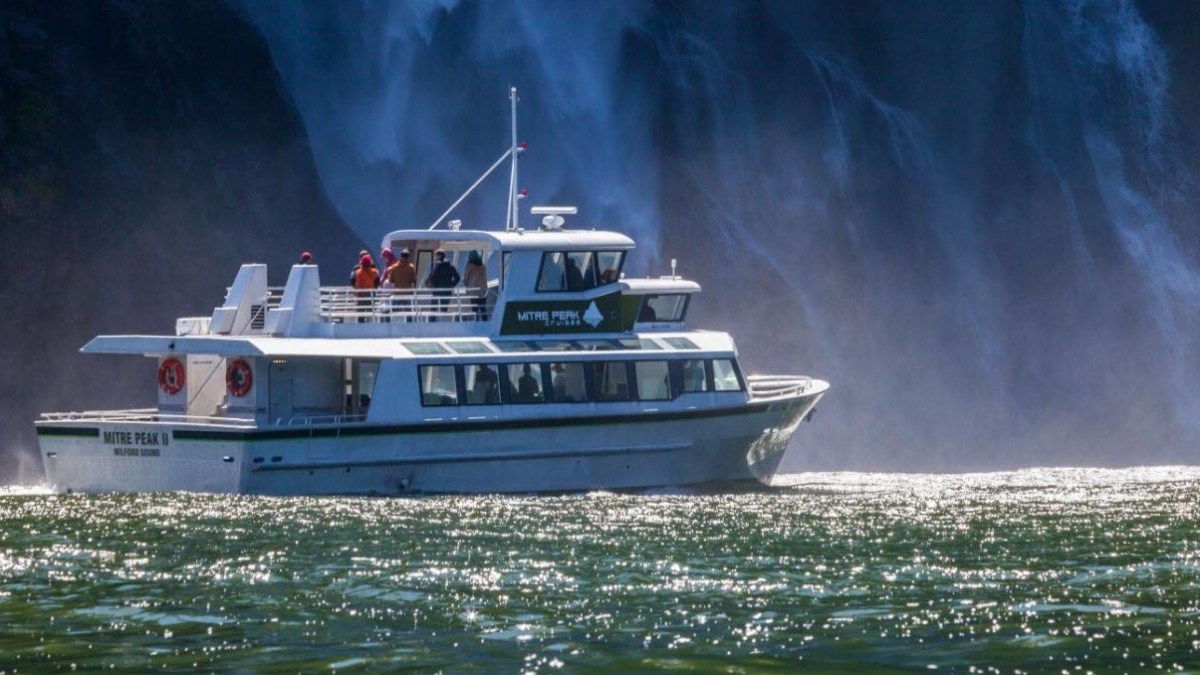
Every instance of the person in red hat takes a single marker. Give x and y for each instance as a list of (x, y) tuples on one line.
[(365, 279), (306, 258)]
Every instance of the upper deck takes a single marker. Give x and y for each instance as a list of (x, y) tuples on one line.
[(538, 283)]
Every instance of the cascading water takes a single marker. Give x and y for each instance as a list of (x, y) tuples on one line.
[(972, 219)]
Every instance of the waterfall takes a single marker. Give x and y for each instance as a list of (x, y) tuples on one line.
[(973, 220)]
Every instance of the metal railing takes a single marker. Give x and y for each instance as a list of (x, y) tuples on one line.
[(343, 304), (315, 420), (776, 386), (143, 415)]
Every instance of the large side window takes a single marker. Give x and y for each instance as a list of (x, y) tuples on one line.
[(552, 276), (725, 375), (438, 385), (482, 384), (568, 384), (694, 379), (671, 307), (608, 266), (525, 382), (610, 380), (653, 380)]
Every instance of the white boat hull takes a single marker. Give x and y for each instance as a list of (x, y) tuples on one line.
[(634, 450)]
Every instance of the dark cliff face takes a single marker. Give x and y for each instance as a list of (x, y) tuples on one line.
[(147, 149)]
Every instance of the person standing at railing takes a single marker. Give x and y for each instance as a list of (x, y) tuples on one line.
[(389, 259), (403, 278), (365, 279), (443, 278), (475, 283)]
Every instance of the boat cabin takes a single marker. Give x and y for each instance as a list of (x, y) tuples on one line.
[(558, 322)]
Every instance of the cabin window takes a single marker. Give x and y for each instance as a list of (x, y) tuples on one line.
[(580, 272), (525, 382), (680, 343), (598, 345), (482, 384), (424, 348), (515, 346), (568, 383), (610, 381), (469, 347), (608, 266), (653, 380), (439, 386), (555, 345), (694, 378), (638, 343), (552, 276), (668, 307), (725, 375)]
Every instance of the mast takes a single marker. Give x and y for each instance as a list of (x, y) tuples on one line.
[(514, 195), (510, 222)]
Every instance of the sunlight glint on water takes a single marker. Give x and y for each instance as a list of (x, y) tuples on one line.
[(1032, 570)]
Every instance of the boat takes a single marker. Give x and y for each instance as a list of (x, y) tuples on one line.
[(562, 373)]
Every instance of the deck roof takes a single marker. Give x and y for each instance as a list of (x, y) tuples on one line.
[(565, 239)]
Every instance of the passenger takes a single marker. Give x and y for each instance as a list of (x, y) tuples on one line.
[(487, 386), (647, 313), (365, 279), (527, 386), (403, 277), (306, 258), (354, 270), (608, 276), (475, 282), (443, 278), (574, 276), (558, 382), (694, 376), (389, 259)]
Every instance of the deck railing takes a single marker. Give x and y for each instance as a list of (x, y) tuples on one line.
[(342, 304), (143, 415), (774, 386), (153, 415)]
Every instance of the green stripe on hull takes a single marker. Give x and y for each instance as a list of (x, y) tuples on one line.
[(81, 432)]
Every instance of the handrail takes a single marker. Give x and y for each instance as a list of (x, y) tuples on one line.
[(775, 386), (342, 303), (143, 415), (314, 420)]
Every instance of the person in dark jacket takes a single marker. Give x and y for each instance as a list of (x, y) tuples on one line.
[(443, 277)]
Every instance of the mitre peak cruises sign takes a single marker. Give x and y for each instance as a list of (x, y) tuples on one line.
[(598, 315)]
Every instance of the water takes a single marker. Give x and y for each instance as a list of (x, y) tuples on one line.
[(1037, 571)]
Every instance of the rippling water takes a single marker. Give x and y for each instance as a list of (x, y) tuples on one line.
[(1042, 570)]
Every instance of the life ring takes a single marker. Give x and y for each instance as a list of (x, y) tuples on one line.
[(239, 377), (171, 376)]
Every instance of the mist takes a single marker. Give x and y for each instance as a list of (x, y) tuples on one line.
[(975, 220)]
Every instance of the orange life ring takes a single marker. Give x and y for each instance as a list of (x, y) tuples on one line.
[(171, 376), (239, 377)]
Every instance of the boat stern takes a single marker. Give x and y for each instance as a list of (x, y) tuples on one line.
[(135, 457)]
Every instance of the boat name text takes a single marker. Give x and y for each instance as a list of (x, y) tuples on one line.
[(136, 443)]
